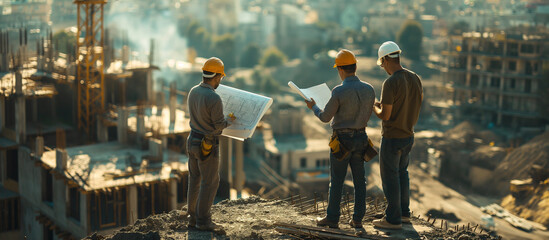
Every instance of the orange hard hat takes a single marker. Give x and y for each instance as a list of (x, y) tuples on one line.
[(344, 57), (214, 65)]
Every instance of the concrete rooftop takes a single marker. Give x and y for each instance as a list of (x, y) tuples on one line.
[(112, 164)]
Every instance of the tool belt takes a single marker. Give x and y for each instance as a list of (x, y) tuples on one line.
[(339, 151), (206, 144), (369, 151), (350, 130)]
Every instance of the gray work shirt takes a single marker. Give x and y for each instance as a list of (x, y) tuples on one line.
[(350, 106), (206, 110)]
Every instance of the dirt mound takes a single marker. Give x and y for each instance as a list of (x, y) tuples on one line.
[(463, 130), (460, 235), (175, 221), (488, 157), (534, 207), (250, 218), (518, 162), (136, 236), (256, 218), (252, 199), (468, 131)]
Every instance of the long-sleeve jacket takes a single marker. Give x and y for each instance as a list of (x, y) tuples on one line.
[(206, 110), (350, 105)]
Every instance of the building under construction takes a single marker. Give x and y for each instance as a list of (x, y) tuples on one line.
[(86, 142), (72, 159), (495, 78)]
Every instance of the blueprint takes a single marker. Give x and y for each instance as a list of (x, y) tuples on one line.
[(320, 93), (247, 107)]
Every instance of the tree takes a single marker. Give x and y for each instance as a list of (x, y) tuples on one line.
[(458, 28), (224, 48), (65, 41), (257, 79), (409, 38), (269, 84), (199, 38), (273, 57), (250, 56), (240, 83)]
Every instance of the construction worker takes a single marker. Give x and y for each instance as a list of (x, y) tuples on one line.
[(401, 97), (207, 121), (350, 106)]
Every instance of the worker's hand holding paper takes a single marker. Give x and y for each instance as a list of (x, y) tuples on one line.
[(245, 110), (321, 93)]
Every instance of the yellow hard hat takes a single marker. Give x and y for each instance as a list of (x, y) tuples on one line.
[(214, 65), (344, 57)]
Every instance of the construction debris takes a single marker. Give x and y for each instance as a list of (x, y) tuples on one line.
[(517, 164), (498, 211), (533, 206), (294, 217)]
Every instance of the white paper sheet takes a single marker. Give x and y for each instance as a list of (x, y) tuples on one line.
[(320, 93), (247, 107)]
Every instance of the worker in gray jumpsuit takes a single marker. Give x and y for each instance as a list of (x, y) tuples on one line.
[(207, 121)]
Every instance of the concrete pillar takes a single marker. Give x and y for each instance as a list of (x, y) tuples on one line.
[(60, 159), (102, 131), (39, 146), (156, 149), (122, 125), (3, 166), (125, 55), (2, 113), (59, 199), (285, 164), (53, 113), (160, 103), (165, 142), (500, 95), (140, 129), (132, 194), (240, 176), (225, 168), (84, 210), (20, 115), (173, 103), (150, 87), (34, 110), (173, 194)]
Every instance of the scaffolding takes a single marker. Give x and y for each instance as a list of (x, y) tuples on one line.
[(90, 63)]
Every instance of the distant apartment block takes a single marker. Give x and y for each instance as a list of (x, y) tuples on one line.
[(494, 78)]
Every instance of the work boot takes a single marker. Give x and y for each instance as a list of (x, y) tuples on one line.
[(382, 223), (405, 219), (192, 222), (211, 226), (324, 222), (355, 224)]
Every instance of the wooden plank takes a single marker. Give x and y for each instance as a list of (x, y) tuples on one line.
[(339, 232), (312, 233)]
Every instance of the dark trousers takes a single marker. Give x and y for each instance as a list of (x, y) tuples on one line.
[(393, 163), (338, 169)]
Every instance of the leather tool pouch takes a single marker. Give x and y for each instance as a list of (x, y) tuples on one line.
[(339, 151), (206, 146), (369, 151)]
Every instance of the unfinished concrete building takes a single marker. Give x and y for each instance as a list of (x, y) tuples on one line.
[(56, 183), (494, 78)]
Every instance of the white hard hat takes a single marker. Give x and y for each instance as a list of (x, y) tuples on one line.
[(388, 48)]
